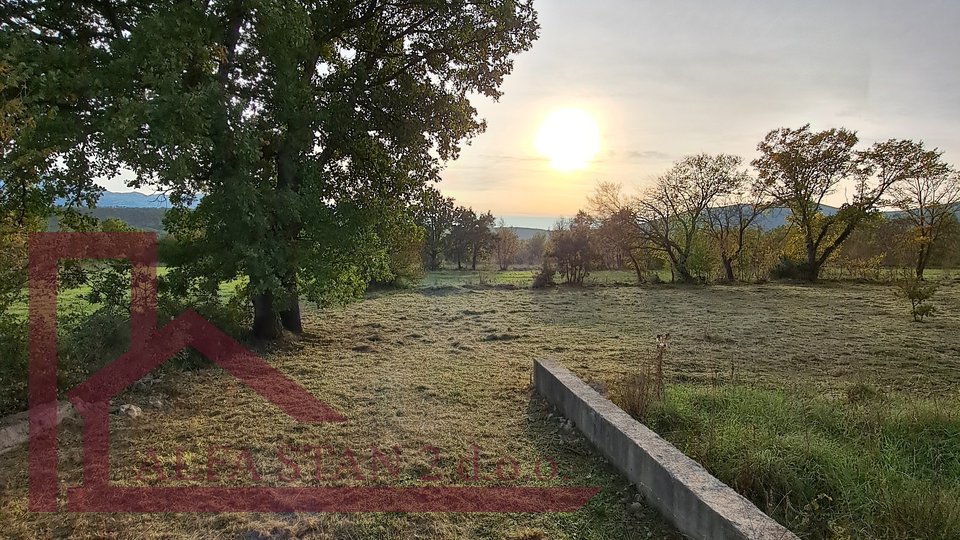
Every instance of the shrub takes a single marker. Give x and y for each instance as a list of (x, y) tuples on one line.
[(545, 277), (13, 367), (85, 343), (787, 268), (918, 293)]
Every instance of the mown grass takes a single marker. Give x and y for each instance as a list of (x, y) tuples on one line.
[(522, 278), (450, 366), (866, 466)]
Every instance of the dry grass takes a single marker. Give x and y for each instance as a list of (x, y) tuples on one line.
[(450, 367)]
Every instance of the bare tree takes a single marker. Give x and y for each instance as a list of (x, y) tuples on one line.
[(618, 227), (729, 219), (506, 245), (669, 215), (930, 200)]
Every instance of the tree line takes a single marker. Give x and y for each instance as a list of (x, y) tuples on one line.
[(464, 238), (701, 218)]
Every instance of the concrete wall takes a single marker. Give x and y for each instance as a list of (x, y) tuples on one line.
[(698, 504)]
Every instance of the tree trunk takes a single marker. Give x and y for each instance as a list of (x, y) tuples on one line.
[(922, 259), (473, 262), (728, 269), (679, 271), (812, 270), (266, 319), (290, 314), (290, 317), (636, 268)]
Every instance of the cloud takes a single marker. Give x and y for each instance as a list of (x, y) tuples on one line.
[(645, 155)]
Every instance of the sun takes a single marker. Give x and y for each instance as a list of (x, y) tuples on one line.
[(569, 138)]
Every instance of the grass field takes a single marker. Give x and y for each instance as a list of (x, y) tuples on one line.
[(449, 366), (75, 299), (521, 278)]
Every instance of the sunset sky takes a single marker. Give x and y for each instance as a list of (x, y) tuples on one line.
[(664, 79)]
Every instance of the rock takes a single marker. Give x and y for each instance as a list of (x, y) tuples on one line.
[(636, 507), (15, 429), (131, 410)]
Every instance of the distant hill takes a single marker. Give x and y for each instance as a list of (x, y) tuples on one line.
[(526, 233), (138, 210), (132, 199), (777, 217), (144, 219), (145, 212), (147, 219)]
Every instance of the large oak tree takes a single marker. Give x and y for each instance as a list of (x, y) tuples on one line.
[(303, 125)]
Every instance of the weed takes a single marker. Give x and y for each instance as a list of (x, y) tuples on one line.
[(639, 392)]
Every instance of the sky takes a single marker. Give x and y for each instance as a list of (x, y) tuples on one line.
[(664, 79), (667, 78)]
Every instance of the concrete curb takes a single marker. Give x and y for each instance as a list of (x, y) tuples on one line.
[(698, 505)]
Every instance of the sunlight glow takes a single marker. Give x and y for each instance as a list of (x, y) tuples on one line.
[(569, 138)]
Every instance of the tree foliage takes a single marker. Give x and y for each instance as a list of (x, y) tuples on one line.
[(669, 215), (573, 248), (302, 125), (799, 168), (729, 218), (435, 215), (929, 199), (506, 246)]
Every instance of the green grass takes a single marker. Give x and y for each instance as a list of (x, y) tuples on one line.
[(522, 278), (863, 467), (67, 300), (74, 299), (450, 366)]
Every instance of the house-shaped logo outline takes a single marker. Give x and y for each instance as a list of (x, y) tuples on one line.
[(150, 348)]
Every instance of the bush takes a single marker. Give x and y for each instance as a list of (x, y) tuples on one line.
[(919, 293), (89, 336), (787, 268), (13, 365), (545, 277), (85, 343)]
